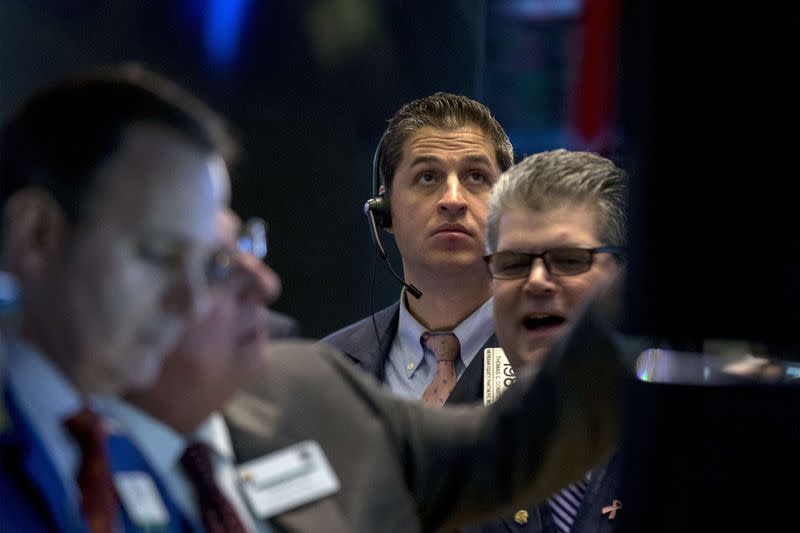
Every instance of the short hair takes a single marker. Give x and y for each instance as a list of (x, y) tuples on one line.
[(443, 111), (62, 134), (551, 179)]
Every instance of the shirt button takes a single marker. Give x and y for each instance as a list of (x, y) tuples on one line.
[(410, 366), (521, 517)]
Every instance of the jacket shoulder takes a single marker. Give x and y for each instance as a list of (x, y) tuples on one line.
[(355, 337)]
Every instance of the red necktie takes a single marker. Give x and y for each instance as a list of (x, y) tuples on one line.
[(98, 498), (217, 513), (445, 346)]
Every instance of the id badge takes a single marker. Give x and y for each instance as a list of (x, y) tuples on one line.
[(498, 374), (286, 479), (139, 496)]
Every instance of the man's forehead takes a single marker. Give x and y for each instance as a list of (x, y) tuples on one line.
[(468, 141), (159, 180), (559, 223)]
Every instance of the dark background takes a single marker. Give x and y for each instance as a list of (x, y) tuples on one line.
[(309, 86)]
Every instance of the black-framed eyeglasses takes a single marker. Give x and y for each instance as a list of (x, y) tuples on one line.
[(252, 239), (558, 261)]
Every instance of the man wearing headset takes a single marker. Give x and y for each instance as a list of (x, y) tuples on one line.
[(437, 163)]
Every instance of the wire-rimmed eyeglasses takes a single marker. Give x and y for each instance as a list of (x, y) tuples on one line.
[(252, 239)]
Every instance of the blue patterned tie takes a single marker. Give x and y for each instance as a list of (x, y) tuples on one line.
[(565, 503)]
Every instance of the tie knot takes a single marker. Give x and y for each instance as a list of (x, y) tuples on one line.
[(87, 428), (198, 464), (443, 344)]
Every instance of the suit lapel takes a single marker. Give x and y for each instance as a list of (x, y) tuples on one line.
[(363, 346), (125, 457), (603, 489), (469, 388), (29, 465), (257, 430)]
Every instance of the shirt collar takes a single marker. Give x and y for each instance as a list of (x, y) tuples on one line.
[(214, 433), (161, 445), (409, 330), (29, 373), (472, 333), (475, 330)]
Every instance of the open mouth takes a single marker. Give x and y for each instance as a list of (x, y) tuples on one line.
[(538, 322)]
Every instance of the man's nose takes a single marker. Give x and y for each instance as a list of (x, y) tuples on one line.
[(453, 199), (539, 279), (258, 280)]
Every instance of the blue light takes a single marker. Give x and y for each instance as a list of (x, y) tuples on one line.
[(223, 29)]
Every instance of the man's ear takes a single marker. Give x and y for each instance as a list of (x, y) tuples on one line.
[(382, 192), (36, 232)]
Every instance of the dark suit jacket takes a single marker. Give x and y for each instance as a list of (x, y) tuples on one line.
[(603, 489), (405, 468), (359, 343), (32, 495)]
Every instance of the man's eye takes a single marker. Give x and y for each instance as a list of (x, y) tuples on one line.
[(158, 254), (219, 267), (426, 178), (477, 177), (513, 262), (570, 261)]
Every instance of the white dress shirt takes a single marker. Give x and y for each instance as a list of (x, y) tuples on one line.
[(163, 447), (46, 399), (409, 369)]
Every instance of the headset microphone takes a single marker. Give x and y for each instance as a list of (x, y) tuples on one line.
[(379, 216)]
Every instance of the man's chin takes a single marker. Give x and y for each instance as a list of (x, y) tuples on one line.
[(455, 263), (145, 374), (533, 356)]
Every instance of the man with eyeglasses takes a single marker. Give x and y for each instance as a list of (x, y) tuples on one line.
[(217, 355), (252, 240), (555, 238)]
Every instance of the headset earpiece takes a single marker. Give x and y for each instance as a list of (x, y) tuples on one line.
[(379, 203), (379, 216), (380, 208)]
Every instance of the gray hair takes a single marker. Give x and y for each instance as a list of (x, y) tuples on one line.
[(551, 179)]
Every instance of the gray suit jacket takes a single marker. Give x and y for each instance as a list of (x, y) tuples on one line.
[(281, 326), (405, 468)]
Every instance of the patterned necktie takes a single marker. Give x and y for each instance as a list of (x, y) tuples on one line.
[(98, 498), (445, 346), (217, 513), (564, 505)]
